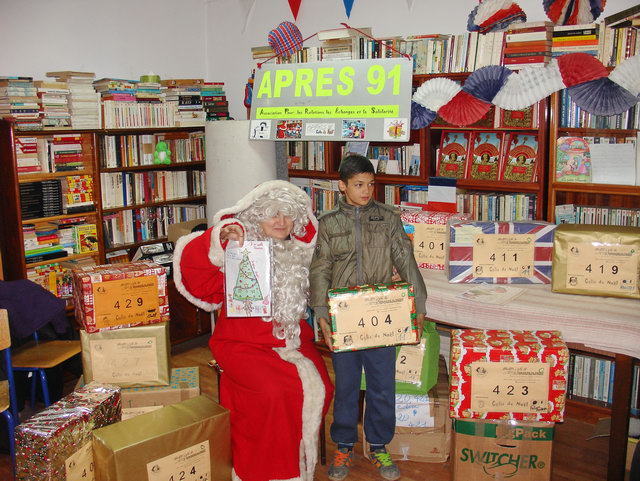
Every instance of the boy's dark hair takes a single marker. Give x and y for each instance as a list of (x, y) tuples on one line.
[(354, 164)]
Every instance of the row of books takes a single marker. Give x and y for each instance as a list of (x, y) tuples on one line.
[(582, 214), (324, 193), (398, 194), (135, 150), (83, 100), (50, 198), (56, 277), (598, 160), (488, 156), (572, 116), (121, 189), (53, 240), (147, 223), (58, 153), (590, 378), (491, 207), (402, 160), (306, 155)]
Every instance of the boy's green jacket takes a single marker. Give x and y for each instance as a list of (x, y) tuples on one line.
[(361, 245)]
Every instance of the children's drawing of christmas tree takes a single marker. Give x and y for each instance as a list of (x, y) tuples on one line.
[(248, 279), (247, 288)]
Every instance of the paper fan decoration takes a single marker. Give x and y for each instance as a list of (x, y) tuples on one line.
[(580, 68), (495, 15), (529, 86), (573, 12), (627, 75), (485, 82), (602, 97), (464, 109), (285, 39), (421, 116), (436, 92)]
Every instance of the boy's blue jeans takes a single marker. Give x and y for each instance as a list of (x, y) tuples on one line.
[(380, 410)]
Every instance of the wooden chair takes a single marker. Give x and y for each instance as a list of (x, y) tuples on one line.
[(36, 356), (8, 404)]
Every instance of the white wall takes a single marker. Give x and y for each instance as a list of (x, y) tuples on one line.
[(198, 38)]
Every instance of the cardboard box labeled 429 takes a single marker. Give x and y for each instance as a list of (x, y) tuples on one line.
[(372, 315)]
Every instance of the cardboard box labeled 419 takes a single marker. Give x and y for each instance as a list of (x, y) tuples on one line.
[(372, 315)]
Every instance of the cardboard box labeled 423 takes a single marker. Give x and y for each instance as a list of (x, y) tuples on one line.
[(372, 315), (120, 295)]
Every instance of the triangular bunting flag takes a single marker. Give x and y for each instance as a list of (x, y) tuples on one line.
[(295, 7), (348, 5)]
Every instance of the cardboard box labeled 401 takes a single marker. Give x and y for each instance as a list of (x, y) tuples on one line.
[(372, 315)]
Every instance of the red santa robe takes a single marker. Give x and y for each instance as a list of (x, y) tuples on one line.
[(276, 391)]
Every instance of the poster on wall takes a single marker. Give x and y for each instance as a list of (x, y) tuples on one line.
[(356, 100)]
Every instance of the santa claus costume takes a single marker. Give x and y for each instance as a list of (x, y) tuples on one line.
[(273, 379)]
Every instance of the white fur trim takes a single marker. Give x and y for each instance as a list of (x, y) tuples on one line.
[(216, 252), (313, 400), (177, 274)]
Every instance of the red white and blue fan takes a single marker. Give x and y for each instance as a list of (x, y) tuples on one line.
[(495, 15), (573, 12), (285, 39)]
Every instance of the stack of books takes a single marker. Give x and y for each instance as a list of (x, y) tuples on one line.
[(84, 101), (184, 96), (344, 44), (149, 92), (27, 155), (66, 151), (53, 98), (19, 102), (528, 45), (620, 38), (41, 199), (118, 90), (214, 101), (575, 38), (41, 242), (78, 194)]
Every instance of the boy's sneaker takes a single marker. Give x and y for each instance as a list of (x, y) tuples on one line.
[(339, 468), (386, 467)]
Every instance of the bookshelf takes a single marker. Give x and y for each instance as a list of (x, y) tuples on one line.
[(617, 198)]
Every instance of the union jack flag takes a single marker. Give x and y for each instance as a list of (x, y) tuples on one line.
[(461, 251)]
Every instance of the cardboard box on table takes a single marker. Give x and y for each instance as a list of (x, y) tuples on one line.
[(190, 441), (423, 426), (184, 384), (131, 357), (596, 260), (372, 315), (498, 374), (500, 252), (429, 233), (55, 444), (177, 230), (114, 296), (492, 450)]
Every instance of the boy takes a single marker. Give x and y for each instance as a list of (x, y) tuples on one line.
[(360, 242)]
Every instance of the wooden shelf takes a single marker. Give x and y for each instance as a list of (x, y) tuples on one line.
[(135, 245), (155, 167), (499, 185), (589, 132), (39, 220), (485, 129), (184, 200), (62, 259), (596, 188), (25, 178), (314, 173)]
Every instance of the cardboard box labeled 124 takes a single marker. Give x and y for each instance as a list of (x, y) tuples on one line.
[(372, 315)]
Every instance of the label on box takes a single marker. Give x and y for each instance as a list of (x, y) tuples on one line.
[(128, 413), (409, 363), (503, 255), (126, 301), (79, 466), (373, 319), (428, 243), (190, 464), (466, 234), (602, 267), (124, 360), (518, 387)]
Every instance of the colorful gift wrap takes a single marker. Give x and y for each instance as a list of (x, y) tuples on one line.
[(372, 315), (114, 296), (55, 444), (189, 441), (500, 252), (429, 232), (499, 374), (597, 260), (184, 384), (492, 450), (130, 357)]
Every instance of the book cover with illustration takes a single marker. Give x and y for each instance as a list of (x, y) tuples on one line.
[(520, 158), (86, 238), (518, 119), (248, 279), (573, 160), (453, 154), (484, 156)]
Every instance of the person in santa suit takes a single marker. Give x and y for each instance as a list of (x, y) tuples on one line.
[(273, 379)]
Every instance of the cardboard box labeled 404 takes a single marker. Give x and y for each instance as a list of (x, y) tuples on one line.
[(372, 315)]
